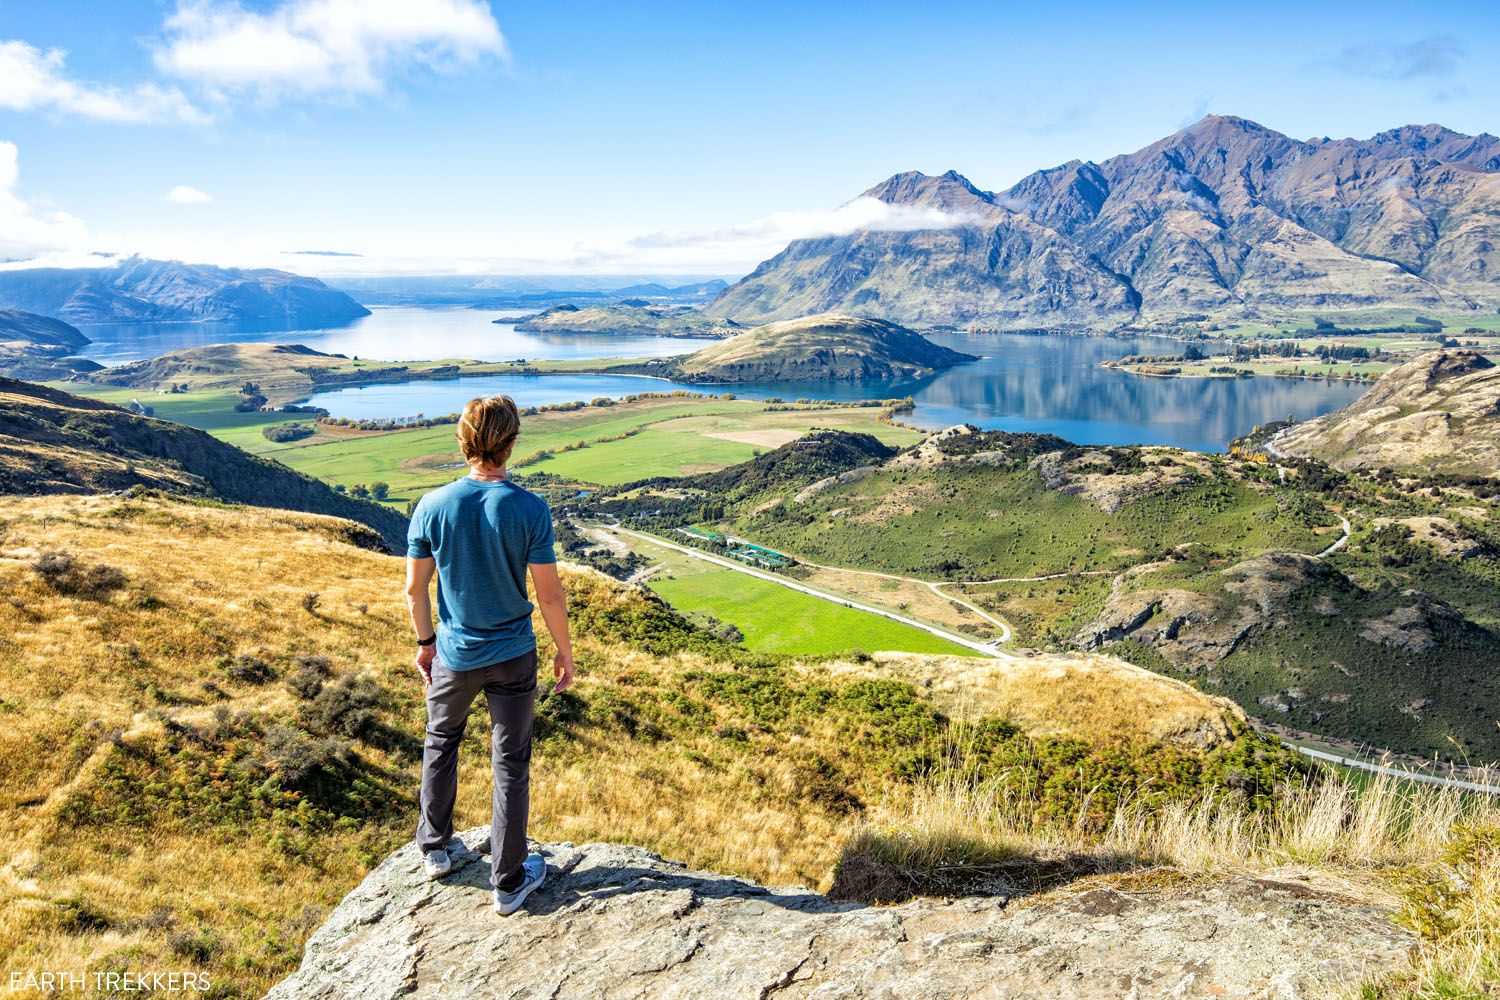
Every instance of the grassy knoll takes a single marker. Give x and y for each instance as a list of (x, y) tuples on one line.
[(212, 729)]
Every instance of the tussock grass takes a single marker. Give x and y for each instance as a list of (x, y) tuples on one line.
[(1431, 854)]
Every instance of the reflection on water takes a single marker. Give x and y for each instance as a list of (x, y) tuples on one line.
[(1047, 384), (387, 334)]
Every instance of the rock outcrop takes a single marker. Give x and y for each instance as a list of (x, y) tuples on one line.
[(1437, 413), (620, 922), (1194, 629)]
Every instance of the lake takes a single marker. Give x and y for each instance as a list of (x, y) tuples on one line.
[(1045, 384), (395, 333)]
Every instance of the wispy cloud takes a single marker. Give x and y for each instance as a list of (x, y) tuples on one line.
[(32, 79), (322, 47), (25, 230), (1432, 57), (1198, 112), (186, 194), (757, 239)]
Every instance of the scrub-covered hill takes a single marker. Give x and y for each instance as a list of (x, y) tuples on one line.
[(1222, 569), (653, 320), (54, 442), (33, 346), (825, 346)]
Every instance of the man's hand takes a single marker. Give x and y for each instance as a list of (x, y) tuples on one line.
[(425, 657), (562, 669)]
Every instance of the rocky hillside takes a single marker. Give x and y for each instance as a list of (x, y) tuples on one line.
[(1217, 569), (825, 346), (198, 688), (1226, 218), (38, 347), (136, 290), (1437, 413), (640, 319), (618, 921), (54, 442)]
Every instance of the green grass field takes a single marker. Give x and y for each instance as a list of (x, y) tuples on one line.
[(777, 620), (675, 436)]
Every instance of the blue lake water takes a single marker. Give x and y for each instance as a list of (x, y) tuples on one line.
[(1049, 384), (388, 334)]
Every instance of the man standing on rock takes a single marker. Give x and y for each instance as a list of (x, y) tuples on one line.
[(480, 535)]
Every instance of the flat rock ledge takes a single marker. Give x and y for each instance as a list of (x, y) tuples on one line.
[(620, 922)]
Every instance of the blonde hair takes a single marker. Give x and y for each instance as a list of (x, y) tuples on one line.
[(487, 430)]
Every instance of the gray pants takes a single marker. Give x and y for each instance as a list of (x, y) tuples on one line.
[(510, 689)]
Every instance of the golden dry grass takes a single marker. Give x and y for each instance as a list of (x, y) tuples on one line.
[(1431, 855), (1085, 695), (85, 676)]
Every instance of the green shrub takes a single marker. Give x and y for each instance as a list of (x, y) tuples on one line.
[(293, 431)]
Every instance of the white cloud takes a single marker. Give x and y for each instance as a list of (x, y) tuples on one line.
[(35, 80), (749, 242), (25, 231), (322, 47), (186, 194)]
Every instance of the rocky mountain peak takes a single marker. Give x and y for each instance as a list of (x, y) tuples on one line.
[(945, 191)]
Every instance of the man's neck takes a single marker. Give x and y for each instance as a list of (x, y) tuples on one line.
[(487, 473)]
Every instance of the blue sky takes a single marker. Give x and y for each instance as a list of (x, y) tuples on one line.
[(454, 135)]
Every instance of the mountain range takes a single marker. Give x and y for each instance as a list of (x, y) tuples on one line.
[(140, 290), (1224, 219)]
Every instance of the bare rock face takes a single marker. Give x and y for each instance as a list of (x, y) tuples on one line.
[(1437, 413), (616, 921), (1193, 630), (1225, 217)]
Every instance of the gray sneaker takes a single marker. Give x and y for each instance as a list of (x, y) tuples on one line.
[(535, 870), (439, 861)]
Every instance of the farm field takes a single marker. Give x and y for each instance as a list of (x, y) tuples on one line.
[(774, 619), (668, 436)]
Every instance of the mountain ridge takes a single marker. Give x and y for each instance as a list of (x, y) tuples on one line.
[(138, 289), (1226, 217)]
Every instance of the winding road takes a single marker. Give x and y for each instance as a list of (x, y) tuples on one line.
[(988, 648)]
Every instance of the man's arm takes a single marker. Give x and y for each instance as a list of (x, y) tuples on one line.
[(419, 574), (554, 604)]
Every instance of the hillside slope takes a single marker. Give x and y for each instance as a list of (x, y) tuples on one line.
[(139, 290), (1226, 218), (54, 442), (1209, 568), (1437, 413), (825, 346), (657, 321), (194, 689), (33, 346)]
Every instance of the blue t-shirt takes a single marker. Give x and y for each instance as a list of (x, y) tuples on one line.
[(482, 536)]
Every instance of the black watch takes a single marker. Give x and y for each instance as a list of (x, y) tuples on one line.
[(428, 641)]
